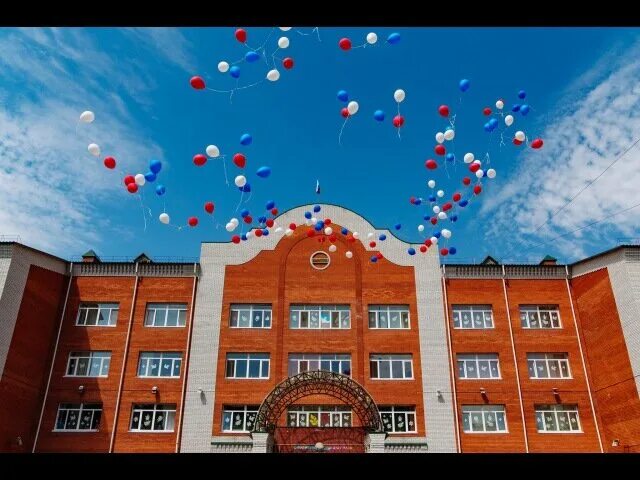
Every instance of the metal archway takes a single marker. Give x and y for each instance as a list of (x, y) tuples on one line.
[(313, 383)]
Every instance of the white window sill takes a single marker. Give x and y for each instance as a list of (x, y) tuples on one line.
[(551, 378), (487, 433), (165, 326), (246, 378), (151, 431), (74, 431), (485, 378), (81, 325), (86, 376), (249, 328), (162, 378), (570, 432), (392, 379)]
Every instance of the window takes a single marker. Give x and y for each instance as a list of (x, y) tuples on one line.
[(484, 419), (88, 364), (153, 418), (247, 365), (78, 417), (548, 365), (319, 416), (398, 419), (391, 366), (250, 316), (97, 314), (166, 315), (478, 365), (319, 316), (389, 316), (472, 316), (319, 260), (540, 316), (239, 419), (160, 364), (328, 362), (557, 418)]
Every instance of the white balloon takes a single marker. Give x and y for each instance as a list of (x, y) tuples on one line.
[(94, 149), (440, 193), (442, 215), (446, 233), (508, 120), (449, 134), (436, 209), (355, 235), (164, 218), (476, 161), (140, 180), (278, 229), (273, 75), (87, 116), (328, 231), (288, 232), (439, 137), (348, 254), (213, 151), (491, 173), (285, 29), (283, 42), (240, 181), (370, 234), (372, 38), (520, 135), (399, 95), (479, 173), (223, 67), (314, 220), (352, 107), (468, 157), (421, 228), (431, 183), (499, 104), (434, 240), (234, 221), (308, 221), (230, 227), (249, 234), (332, 248)]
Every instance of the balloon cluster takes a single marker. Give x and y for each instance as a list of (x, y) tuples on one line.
[(499, 116), (371, 40), (265, 222)]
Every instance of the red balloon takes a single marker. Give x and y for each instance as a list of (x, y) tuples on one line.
[(235, 239), (129, 179), (537, 143), (444, 252), (310, 233), (321, 239), (241, 35), (110, 162), (274, 211), (456, 197), (333, 238), (209, 207), (132, 187), (351, 238), (288, 63), (477, 189), (474, 167), (517, 142), (431, 164), (345, 44), (434, 220), (443, 110), (269, 222), (447, 206), (197, 82), (327, 221), (428, 242), (486, 111), (344, 112), (466, 181), (193, 221), (248, 219), (378, 255), (372, 244), (423, 248), (258, 232), (240, 160), (199, 159), (412, 200), (292, 226), (398, 121), (440, 150)]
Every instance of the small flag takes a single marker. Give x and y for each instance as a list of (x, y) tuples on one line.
[(318, 187)]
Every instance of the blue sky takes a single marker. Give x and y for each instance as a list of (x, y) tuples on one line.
[(581, 84)]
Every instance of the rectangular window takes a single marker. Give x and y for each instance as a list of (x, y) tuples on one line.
[(478, 365), (319, 416), (319, 316), (540, 316), (557, 418), (78, 417), (239, 418), (472, 316), (166, 315), (98, 314), (394, 367), (548, 365), (250, 316), (88, 364), (328, 362), (247, 365), (153, 417), (398, 419), (160, 364), (389, 317), (484, 419)]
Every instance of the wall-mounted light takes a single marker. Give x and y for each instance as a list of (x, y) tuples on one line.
[(19, 441), (615, 443), (154, 390), (556, 392), (439, 393), (81, 388), (483, 392)]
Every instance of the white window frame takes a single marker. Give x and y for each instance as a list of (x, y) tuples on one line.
[(378, 310), (299, 359), (547, 359), (475, 359), (343, 311), (230, 411), (250, 308), (101, 357), (247, 357), (405, 412), (165, 307), (458, 310), (148, 357), (157, 408), (469, 410), (379, 358), (80, 408), (555, 410), (85, 307), (539, 310), (299, 412)]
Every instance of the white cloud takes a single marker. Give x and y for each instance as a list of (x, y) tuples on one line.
[(166, 42)]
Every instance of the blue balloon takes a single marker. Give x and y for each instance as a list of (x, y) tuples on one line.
[(453, 218), (252, 57), (246, 139), (382, 237), (427, 217), (418, 201), (398, 226), (235, 71), (344, 231), (452, 250), (343, 96), (493, 121), (244, 212), (160, 190), (318, 228), (464, 85), (320, 223), (243, 237), (522, 94), (393, 38), (432, 198), (450, 157), (516, 107), (270, 204), (150, 177), (155, 166), (411, 251), (378, 115), (487, 127), (463, 203), (246, 188), (265, 231), (263, 172), (484, 173), (374, 259), (307, 215), (316, 208), (437, 234), (262, 219), (524, 109)]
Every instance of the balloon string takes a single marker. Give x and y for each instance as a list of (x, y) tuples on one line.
[(249, 197), (224, 165), (341, 129), (240, 202)]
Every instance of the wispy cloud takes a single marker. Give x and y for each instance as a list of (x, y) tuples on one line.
[(167, 43)]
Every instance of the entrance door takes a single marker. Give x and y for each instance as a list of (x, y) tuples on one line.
[(319, 440)]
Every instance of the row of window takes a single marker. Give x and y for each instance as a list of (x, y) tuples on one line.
[(150, 364), (86, 417), (487, 365), (157, 315), (481, 317), (492, 418)]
